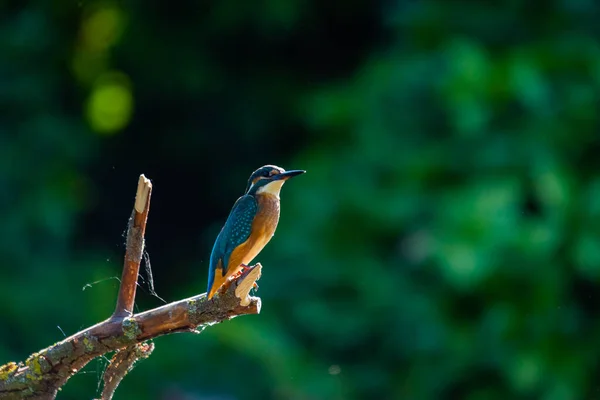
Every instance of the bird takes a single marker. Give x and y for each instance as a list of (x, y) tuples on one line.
[(250, 226)]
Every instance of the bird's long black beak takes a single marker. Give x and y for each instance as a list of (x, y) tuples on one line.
[(288, 174)]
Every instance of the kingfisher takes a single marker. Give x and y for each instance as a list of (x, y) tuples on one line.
[(250, 226)]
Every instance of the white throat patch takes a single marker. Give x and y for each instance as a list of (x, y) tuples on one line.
[(271, 188)]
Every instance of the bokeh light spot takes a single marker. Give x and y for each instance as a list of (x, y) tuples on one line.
[(110, 104), (103, 28)]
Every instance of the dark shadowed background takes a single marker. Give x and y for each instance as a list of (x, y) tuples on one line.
[(444, 243)]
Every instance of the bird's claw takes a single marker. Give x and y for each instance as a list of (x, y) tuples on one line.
[(242, 273), (243, 269)]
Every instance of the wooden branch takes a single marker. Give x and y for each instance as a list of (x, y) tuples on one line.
[(40, 376), (121, 363), (45, 372), (134, 249)]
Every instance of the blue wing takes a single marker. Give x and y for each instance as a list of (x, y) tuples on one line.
[(235, 232)]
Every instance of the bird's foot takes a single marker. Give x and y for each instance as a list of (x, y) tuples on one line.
[(243, 268), (240, 272)]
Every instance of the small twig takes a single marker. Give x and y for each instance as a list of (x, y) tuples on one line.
[(121, 363), (134, 250)]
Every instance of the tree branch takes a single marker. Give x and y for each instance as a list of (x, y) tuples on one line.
[(40, 376), (134, 250), (44, 372), (121, 363)]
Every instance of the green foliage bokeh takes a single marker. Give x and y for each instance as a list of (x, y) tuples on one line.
[(443, 244)]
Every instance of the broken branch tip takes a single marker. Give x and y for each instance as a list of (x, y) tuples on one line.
[(143, 191)]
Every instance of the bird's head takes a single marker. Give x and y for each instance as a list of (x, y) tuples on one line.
[(269, 179)]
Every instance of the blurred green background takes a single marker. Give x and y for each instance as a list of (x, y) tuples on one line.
[(443, 244)]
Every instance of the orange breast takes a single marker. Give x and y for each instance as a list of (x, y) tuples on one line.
[(263, 228)]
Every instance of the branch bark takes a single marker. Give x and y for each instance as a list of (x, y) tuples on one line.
[(121, 363), (44, 372), (134, 250)]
